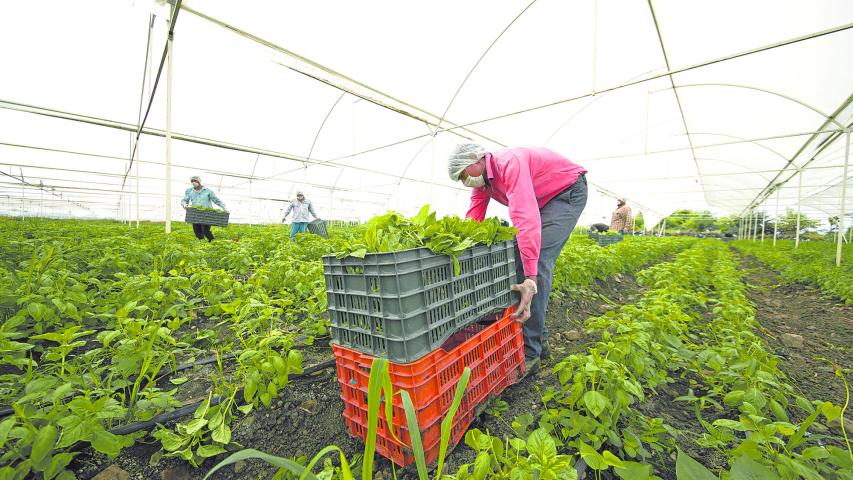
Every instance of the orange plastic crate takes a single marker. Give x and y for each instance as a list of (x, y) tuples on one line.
[(495, 355)]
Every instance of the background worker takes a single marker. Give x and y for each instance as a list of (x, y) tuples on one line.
[(545, 193), (200, 196), (621, 221), (302, 210)]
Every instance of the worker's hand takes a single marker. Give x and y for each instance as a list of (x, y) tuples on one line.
[(527, 290), (185, 206)]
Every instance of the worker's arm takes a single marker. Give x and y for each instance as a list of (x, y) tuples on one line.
[(287, 212), (524, 212), (186, 200), (311, 209), (479, 204), (217, 201)]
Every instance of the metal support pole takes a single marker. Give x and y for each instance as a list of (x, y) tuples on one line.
[(169, 47), (841, 227), (754, 226), (137, 190), (776, 218), (748, 226), (763, 223), (799, 202)]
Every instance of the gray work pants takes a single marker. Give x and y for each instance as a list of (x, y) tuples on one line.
[(559, 217)]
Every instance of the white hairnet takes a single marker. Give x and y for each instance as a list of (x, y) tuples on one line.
[(462, 156)]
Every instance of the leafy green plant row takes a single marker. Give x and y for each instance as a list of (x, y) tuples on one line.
[(811, 263), (582, 261), (694, 322), (668, 333), (90, 318)]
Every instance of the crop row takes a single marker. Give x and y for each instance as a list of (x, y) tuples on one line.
[(694, 324), (810, 263)]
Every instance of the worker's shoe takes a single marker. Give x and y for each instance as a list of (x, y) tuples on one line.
[(531, 365), (545, 354)]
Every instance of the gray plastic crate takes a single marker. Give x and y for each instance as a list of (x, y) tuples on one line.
[(218, 218), (403, 305), (318, 227), (604, 240)]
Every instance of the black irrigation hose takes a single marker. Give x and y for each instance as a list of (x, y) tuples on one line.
[(190, 409)]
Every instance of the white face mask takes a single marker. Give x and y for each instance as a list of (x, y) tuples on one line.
[(195, 184), (475, 182)]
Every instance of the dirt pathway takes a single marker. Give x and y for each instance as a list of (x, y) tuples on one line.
[(802, 326)]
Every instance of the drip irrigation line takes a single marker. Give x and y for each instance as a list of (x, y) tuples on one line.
[(178, 413)]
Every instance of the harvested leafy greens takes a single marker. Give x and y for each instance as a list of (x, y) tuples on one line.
[(205, 209), (450, 235)]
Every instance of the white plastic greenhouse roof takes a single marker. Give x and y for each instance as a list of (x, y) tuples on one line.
[(724, 105)]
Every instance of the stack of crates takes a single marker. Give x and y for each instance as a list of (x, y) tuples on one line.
[(411, 308)]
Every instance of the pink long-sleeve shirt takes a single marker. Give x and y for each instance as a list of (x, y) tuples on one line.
[(524, 179)]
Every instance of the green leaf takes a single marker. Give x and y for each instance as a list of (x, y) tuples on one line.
[(5, 427), (595, 402), (248, 454), (221, 434), (294, 361), (611, 459), (250, 387), (732, 424), (746, 468), (178, 381), (414, 433), (206, 451), (57, 465), (634, 471), (688, 469), (106, 443), (447, 422), (541, 447), (195, 425), (591, 456), (733, 399), (201, 411), (482, 466), (43, 443), (170, 440)]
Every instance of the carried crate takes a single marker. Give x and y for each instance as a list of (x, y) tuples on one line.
[(604, 239), (403, 305), (217, 218), (495, 354), (318, 227)]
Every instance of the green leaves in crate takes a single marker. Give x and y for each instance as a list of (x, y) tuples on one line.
[(450, 235)]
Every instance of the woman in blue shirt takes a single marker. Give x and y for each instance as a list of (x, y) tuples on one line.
[(199, 196)]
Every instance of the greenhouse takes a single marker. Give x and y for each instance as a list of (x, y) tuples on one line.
[(446, 240)]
